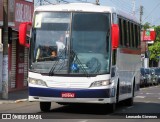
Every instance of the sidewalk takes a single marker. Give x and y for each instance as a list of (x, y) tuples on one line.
[(15, 97)]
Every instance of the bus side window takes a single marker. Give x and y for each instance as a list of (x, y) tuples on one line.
[(120, 30)]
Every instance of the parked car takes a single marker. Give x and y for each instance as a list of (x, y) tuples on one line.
[(154, 79), (157, 73), (144, 77)]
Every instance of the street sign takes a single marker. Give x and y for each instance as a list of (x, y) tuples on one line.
[(149, 35)]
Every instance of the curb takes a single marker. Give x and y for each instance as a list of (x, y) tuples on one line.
[(6, 101), (21, 100), (12, 101)]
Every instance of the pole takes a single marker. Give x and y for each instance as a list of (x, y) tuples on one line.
[(141, 13), (133, 8), (5, 51), (97, 2)]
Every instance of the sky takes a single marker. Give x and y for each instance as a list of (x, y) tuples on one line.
[(151, 8)]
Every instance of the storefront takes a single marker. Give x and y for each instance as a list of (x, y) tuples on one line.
[(19, 11)]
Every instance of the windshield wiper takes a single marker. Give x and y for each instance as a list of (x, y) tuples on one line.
[(76, 59), (51, 72), (73, 58)]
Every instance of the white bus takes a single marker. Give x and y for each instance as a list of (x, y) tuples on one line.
[(96, 55)]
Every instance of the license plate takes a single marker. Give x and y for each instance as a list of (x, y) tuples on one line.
[(67, 95)]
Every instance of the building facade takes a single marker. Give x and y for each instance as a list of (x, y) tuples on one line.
[(18, 11)]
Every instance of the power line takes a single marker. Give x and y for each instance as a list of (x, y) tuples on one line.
[(156, 20), (151, 11), (119, 5)]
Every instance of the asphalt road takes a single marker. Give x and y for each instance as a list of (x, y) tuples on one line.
[(146, 104)]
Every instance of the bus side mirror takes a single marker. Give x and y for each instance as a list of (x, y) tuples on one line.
[(115, 36), (23, 34)]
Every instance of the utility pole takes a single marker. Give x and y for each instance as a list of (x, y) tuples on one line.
[(5, 51), (141, 13), (133, 8), (97, 2)]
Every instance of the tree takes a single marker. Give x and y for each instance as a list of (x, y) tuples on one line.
[(146, 25), (155, 51), (155, 48)]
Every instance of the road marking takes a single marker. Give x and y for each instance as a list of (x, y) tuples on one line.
[(151, 93), (140, 96), (147, 101), (142, 89), (140, 93), (83, 121), (130, 107), (158, 98)]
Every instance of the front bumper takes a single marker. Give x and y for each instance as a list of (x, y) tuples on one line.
[(81, 95)]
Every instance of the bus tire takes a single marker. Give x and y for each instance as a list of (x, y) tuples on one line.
[(45, 106), (117, 94), (129, 102), (112, 107)]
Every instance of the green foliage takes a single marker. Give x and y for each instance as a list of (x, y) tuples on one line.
[(157, 29), (146, 26), (154, 49)]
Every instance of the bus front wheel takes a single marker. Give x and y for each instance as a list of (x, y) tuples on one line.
[(112, 107), (45, 106)]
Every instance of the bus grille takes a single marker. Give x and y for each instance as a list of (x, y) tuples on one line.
[(58, 84)]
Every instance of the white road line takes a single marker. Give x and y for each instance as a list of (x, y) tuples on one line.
[(151, 93), (130, 107), (140, 96), (159, 98), (83, 121), (141, 93), (147, 101)]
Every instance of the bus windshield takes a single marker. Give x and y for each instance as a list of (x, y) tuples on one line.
[(70, 43)]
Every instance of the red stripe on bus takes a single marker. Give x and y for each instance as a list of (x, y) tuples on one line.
[(130, 51)]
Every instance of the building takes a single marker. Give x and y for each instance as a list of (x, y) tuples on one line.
[(18, 11)]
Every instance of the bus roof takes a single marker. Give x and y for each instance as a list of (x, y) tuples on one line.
[(85, 7)]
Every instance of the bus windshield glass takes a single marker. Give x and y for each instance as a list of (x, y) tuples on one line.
[(64, 43)]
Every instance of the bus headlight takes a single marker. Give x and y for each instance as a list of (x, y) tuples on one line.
[(101, 83), (37, 82)]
